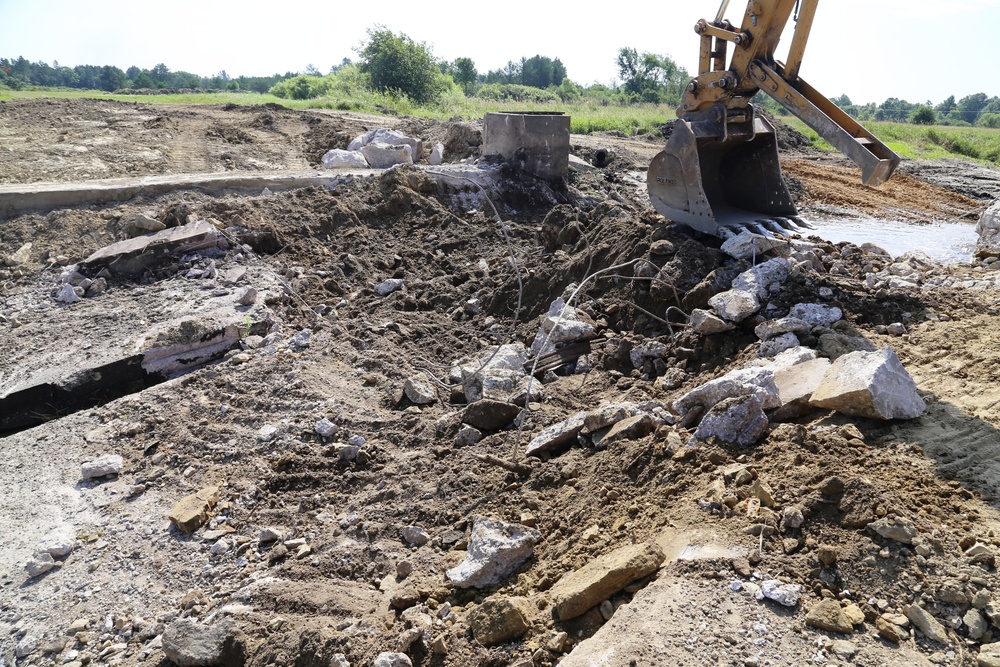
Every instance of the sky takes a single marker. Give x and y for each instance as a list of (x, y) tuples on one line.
[(917, 50)]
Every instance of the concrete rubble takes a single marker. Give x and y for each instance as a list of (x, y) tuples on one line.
[(496, 549), (869, 384), (578, 591)]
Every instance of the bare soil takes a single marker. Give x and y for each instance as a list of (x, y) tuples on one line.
[(316, 256)]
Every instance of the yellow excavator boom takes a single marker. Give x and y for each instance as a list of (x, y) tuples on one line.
[(720, 167)]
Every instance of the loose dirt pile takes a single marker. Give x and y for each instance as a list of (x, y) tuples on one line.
[(339, 480)]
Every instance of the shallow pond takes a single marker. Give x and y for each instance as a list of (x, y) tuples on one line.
[(947, 242)]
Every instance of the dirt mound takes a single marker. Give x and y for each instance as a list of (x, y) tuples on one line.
[(334, 434)]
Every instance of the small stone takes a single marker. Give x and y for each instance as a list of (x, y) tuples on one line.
[(79, 625), (467, 435), (828, 615), (271, 535), (58, 543), (67, 294), (439, 646), (220, 547), (415, 536), (989, 655), (976, 623), (927, 624), (190, 644), (891, 631), (267, 433), (403, 569), (389, 286), (899, 530), (854, 614), (247, 296), (787, 595), (25, 647), (419, 392), (495, 550), (102, 466), (392, 660), (191, 512), (489, 415), (499, 620), (844, 649), (607, 610), (39, 564), (827, 554), (325, 428)]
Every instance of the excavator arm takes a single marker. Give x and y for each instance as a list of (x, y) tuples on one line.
[(720, 167)]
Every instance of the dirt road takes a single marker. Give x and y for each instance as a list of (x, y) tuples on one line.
[(334, 437)]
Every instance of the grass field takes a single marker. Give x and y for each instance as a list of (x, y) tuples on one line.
[(588, 116)]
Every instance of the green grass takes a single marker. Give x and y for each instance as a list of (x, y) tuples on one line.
[(588, 116), (923, 141)]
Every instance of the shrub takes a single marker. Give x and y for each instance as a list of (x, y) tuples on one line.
[(396, 63)]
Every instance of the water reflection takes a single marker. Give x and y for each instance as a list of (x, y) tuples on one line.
[(947, 243)]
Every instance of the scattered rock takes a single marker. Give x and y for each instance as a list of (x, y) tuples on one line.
[(742, 382), (976, 623), (734, 305), (844, 649), (326, 428), (58, 543), (392, 660), (415, 536), (927, 624), (562, 324), (787, 595), (102, 466), (247, 296), (989, 655), (498, 620), (828, 615), (898, 529), (740, 420), (387, 287), (747, 245), (495, 550), (578, 591), (706, 323), (827, 554), (191, 512), (419, 392), (187, 643), (39, 564), (437, 155), (816, 314), (887, 629), (869, 384)]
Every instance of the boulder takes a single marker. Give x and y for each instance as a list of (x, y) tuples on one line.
[(383, 156), (386, 136), (499, 620), (495, 550), (437, 155), (748, 245), (604, 576), (869, 384), (764, 280), (419, 392), (988, 230), (341, 159)]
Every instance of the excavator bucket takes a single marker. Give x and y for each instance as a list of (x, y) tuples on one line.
[(714, 177)]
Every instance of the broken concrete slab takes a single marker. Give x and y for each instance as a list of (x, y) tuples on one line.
[(869, 384), (338, 158), (748, 245), (739, 420), (391, 137), (383, 156), (495, 550), (604, 576), (557, 434), (764, 279), (755, 380), (816, 314), (561, 324), (135, 255)]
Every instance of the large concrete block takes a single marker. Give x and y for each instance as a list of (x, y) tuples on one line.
[(535, 143), (869, 384)]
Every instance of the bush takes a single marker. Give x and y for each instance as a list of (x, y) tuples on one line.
[(923, 115), (991, 120), (512, 92), (395, 63)]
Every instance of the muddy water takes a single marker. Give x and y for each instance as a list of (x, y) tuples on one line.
[(947, 243)]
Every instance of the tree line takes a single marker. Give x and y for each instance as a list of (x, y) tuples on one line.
[(17, 73), (393, 63)]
